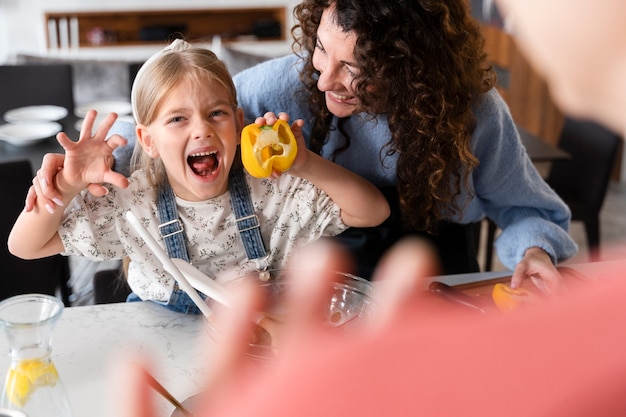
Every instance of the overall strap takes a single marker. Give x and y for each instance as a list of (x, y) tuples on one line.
[(173, 234), (247, 221), (171, 228)]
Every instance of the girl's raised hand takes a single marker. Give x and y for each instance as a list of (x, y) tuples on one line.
[(302, 157), (90, 159)]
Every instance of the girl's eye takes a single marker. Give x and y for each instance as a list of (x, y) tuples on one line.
[(176, 119), (217, 113)]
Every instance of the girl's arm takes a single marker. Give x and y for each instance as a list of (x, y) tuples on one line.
[(34, 234), (361, 203)]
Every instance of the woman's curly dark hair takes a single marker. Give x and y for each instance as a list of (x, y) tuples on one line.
[(421, 62)]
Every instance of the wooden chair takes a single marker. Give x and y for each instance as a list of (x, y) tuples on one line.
[(17, 276), (36, 84)]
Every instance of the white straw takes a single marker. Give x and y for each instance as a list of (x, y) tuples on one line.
[(168, 264)]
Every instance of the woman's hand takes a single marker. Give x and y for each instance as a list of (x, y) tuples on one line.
[(41, 189), (537, 266)]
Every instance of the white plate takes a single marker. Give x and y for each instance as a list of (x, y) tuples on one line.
[(104, 107), (28, 134), (46, 113), (99, 118)]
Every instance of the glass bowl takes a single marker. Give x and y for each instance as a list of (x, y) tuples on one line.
[(348, 303)]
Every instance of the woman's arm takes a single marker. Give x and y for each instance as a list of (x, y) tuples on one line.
[(361, 203), (533, 218), (87, 161)]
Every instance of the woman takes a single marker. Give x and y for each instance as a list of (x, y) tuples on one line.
[(400, 92)]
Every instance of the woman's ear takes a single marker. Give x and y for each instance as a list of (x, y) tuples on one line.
[(145, 139)]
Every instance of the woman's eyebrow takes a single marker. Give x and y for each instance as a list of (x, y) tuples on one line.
[(321, 44)]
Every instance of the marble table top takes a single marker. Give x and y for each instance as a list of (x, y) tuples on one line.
[(88, 339)]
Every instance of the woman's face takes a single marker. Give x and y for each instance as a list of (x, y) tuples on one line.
[(333, 58), (195, 133)]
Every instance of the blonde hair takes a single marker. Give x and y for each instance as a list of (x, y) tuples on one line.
[(158, 76)]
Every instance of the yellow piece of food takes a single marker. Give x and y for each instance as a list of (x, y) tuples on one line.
[(509, 299), (265, 148), (26, 377)]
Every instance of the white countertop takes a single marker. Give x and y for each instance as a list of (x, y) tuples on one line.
[(87, 340)]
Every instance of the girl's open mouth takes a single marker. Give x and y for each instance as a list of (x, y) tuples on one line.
[(203, 164)]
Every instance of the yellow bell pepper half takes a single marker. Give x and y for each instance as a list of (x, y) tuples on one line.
[(265, 148)]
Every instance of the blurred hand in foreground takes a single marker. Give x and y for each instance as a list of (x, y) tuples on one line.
[(401, 275), (421, 357)]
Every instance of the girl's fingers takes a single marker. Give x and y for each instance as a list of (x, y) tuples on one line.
[(296, 126), (115, 178), (283, 116), (64, 140), (87, 127), (104, 126), (97, 190), (116, 141)]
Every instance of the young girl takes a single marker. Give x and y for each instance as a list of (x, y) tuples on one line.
[(188, 130)]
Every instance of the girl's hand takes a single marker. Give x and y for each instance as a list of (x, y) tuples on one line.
[(89, 160), (44, 182), (302, 156)]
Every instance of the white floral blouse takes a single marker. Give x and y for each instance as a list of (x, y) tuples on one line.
[(291, 211)]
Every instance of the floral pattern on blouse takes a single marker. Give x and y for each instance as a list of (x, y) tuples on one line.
[(291, 211)]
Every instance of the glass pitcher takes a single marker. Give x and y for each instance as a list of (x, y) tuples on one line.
[(32, 383)]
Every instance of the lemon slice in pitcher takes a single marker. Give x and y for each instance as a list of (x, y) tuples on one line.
[(27, 376)]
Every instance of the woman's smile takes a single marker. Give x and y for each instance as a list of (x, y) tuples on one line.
[(342, 99), (333, 59)]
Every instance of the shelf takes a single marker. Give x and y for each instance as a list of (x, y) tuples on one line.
[(80, 29)]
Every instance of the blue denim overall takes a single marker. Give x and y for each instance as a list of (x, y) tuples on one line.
[(173, 234)]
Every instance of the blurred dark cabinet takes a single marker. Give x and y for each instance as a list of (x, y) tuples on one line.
[(140, 27)]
